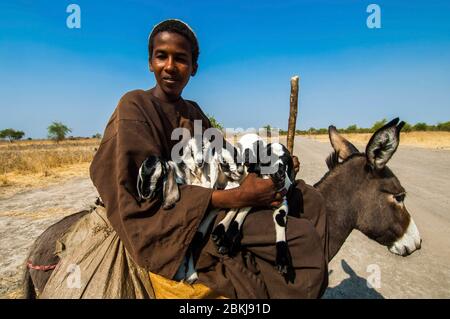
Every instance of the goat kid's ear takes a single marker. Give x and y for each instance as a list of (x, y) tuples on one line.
[(383, 144), (171, 193), (145, 175), (342, 147), (213, 172)]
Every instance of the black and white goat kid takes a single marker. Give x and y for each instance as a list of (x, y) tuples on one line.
[(222, 170), (273, 161)]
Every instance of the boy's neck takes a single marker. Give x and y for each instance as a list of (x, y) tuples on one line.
[(161, 95)]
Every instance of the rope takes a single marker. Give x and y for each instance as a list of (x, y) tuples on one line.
[(40, 267)]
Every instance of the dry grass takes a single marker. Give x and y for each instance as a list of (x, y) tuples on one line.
[(41, 157), (29, 164), (435, 140), (13, 183)]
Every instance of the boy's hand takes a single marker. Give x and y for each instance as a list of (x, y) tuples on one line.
[(253, 192)]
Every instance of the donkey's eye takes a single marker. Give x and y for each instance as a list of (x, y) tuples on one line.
[(400, 197)]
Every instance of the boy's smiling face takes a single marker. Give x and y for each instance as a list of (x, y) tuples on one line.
[(171, 62)]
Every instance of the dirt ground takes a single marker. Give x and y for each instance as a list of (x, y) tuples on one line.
[(425, 274), (24, 216)]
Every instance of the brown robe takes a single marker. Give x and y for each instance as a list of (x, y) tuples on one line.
[(158, 239)]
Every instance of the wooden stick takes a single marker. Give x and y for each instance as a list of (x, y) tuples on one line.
[(292, 113)]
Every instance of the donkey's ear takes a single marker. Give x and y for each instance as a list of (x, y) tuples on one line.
[(342, 147), (383, 144), (171, 193)]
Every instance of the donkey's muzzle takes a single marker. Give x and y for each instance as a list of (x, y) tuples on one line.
[(409, 242)]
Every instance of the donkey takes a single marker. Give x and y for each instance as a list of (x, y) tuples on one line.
[(359, 190), (362, 193)]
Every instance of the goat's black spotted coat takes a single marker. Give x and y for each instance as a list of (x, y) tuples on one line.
[(158, 239)]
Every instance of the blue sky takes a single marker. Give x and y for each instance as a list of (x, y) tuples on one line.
[(350, 74)]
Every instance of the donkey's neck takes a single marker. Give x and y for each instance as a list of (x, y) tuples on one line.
[(338, 189)]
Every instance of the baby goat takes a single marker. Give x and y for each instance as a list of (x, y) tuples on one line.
[(222, 170), (212, 169), (267, 161)]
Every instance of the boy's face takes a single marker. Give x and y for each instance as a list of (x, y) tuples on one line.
[(171, 63)]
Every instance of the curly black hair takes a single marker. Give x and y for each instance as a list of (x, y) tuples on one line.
[(175, 26)]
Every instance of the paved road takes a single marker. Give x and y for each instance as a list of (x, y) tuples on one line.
[(425, 274)]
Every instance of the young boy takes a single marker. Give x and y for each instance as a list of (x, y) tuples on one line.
[(158, 239)]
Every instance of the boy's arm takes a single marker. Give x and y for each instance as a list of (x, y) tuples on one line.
[(254, 192)]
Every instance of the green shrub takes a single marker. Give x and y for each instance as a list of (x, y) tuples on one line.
[(421, 126), (379, 124), (443, 126), (407, 127), (352, 129)]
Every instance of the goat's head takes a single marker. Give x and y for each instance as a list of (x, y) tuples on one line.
[(229, 164), (157, 177)]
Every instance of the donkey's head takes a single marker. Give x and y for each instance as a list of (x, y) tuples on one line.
[(377, 199)]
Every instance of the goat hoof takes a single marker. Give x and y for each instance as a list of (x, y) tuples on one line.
[(282, 269), (283, 259), (234, 236), (219, 237), (223, 250), (235, 243), (218, 234)]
